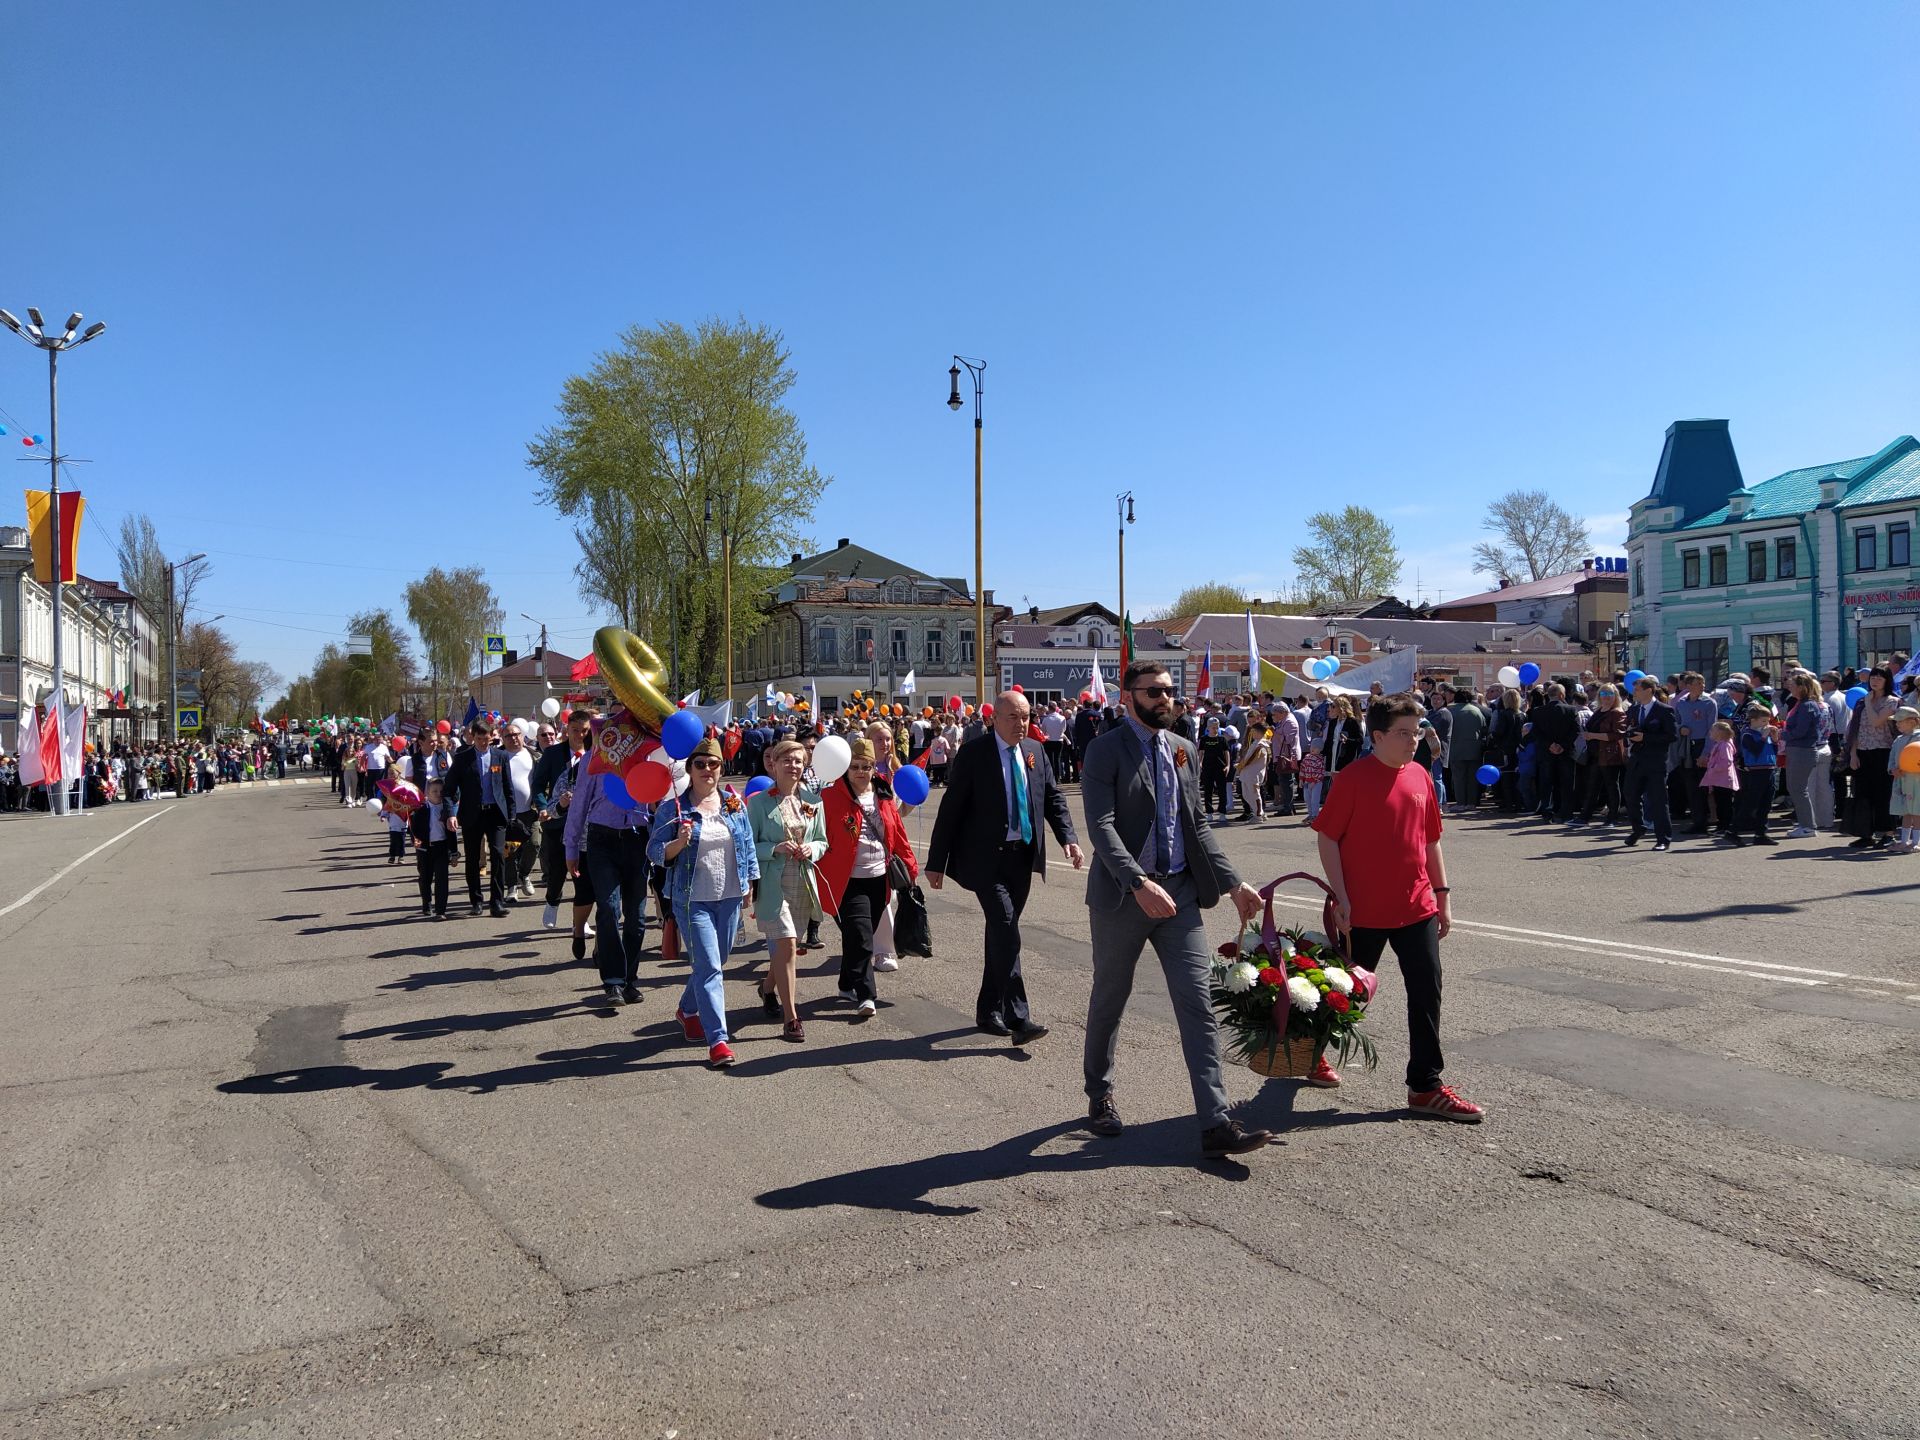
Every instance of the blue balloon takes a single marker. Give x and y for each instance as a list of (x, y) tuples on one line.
[(615, 789), (1488, 774), (1331, 665), (910, 783), (1634, 677), (1856, 695), (39, 439), (757, 784), (1529, 673), (680, 732)]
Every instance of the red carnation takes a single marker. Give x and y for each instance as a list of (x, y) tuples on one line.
[(1339, 1002), (1230, 949), (1271, 976)]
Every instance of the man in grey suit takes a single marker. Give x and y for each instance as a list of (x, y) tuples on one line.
[(1156, 867)]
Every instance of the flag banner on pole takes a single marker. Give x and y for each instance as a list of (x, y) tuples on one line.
[(1253, 654), (1126, 644), (391, 724), (1096, 683), (906, 685), (1204, 690), (26, 745), (50, 757), (473, 712), (716, 716), (691, 700), (73, 740), (813, 697), (753, 709), (584, 669), (40, 529)]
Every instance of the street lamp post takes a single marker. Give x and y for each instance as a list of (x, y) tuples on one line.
[(173, 650), (1123, 507), (976, 369), (34, 333), (1859, 650)]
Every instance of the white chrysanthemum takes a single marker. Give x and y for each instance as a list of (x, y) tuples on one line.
[(1241, 978), (1339, 979), (1250, 938), (1302, 992)]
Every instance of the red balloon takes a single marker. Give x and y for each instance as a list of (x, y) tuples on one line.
[(954, 702), (1086, 695), (647, 782), (986, 711), (445, 727), (1016, 689), (27, 440)]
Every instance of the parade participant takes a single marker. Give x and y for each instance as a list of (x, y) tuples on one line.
[(435, 829), (1255, 755), (1720, 779), (705, 840), (1156, 866), (1466, 734), (1556, 728), (989, 836), (885, 761), (609, 842), (1695, 712), (1805, 741), (513, 796), (1870, 735), (1216, 753), (1284, 763), (1759, 757), (1379, 841), (1651, 728), (396, 835), (865, 837), (1606, 732), (790, 836), (1339, 747), (555, 774), (375, 757), (1906, 784), (470, 784)]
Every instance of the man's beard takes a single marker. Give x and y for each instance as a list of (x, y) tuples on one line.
[(1156, 719)]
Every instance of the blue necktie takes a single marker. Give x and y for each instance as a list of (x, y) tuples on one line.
[(1162, 850), (1019, 769)]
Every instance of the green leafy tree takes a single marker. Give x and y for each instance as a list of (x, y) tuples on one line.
[(1534, 538), (1353, 556), (453, 610), (1210, 598), (378, 680), (673, 439)]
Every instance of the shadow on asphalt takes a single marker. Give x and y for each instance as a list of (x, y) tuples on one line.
[(470, 974)]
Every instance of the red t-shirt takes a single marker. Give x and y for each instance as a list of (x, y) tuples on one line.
[(1383, 819)]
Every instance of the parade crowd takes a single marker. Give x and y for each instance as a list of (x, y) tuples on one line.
[(147, 770)]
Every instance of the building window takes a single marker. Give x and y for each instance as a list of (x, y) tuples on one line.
[(1639, 579), (899, 648), (1899, 547), (1709, 657), (1778, 654), (1865, 552), (1717, 565), (1094, 638), (1756, 561), (1690, 572), (1880, 643), (826, 647), (936, 647), (1786, 560), (966, 647), (862, 644)]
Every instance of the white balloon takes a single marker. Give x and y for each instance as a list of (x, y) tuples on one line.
[(831, 757), (375, 805), (550, 707), (526, 728), (678, 768), (1508, 677)]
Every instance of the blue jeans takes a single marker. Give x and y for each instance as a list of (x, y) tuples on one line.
[(1440, 781), (707, 929)]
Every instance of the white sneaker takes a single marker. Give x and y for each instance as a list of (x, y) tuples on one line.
[(886, 962), (867, 1007), (848, 996), (550, 917), (1799, 832), (586, 930)]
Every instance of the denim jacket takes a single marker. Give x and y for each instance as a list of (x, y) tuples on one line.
[(666, 825)]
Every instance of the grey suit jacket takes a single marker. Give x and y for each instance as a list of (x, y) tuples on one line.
[(1116, 784)]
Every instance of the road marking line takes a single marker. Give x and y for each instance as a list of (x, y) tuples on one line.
[(75, 865)]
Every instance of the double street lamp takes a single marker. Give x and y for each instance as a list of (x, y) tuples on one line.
[(1123, 505), (976, 369), (34, 332)]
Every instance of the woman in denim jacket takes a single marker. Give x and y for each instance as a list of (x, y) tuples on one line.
[(704, 839)]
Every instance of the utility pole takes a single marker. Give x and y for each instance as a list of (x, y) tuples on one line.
[(173, 650)]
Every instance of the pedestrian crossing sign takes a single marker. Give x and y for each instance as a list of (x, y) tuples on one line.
[(496, 644), (186, 719)]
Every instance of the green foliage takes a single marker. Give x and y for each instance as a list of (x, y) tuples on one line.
[(453, 610), (1353, 556), (672, 440)]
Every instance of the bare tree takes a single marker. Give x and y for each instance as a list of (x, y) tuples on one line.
[(1535, 538)]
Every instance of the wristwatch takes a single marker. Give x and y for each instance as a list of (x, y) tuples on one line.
[(1135, 883), (1443, 889)]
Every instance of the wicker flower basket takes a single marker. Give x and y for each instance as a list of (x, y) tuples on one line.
[(1287, 1060)]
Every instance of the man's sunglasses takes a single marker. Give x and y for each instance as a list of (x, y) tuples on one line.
[(1154, 692)]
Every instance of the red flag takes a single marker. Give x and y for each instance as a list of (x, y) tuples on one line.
[(585, 669), (40, 527), (50, 766), (1126, 645)]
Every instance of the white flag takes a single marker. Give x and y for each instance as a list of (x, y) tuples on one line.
[(1097, 685), (27, 746), (691, 700), (1253, 656), (906, 685), (73, 737)]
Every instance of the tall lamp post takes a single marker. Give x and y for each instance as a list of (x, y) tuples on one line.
[(1859, 650), (34, 333), (173, 649), (1123, 506), (976, 369)]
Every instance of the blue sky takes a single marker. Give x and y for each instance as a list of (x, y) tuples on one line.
[(1248, 261)]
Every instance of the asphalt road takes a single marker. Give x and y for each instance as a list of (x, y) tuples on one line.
[(283, 1160)]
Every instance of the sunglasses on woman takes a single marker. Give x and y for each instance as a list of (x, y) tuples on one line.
[(703, 765)]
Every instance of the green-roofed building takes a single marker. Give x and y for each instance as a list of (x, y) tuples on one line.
[(1812, 568)]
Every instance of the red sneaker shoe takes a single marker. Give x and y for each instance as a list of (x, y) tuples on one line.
[(690, 1026), (1443, 1104), (720, 1055), (1323, 1075)]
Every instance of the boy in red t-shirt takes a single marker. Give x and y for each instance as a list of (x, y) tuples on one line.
[(1379, 834)]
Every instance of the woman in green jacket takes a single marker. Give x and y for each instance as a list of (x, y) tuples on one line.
[(789, 835)]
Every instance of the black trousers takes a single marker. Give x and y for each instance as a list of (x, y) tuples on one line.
[(482, 838), (396, 843), (1417, 948), (1753, 801), (1213, 789), (864, 902), (1603, 787), (617, 859), (1872, 794), (520, 866), (1646, 789), (553, 865), (1003, 990), (1555, 783), (433, 861)]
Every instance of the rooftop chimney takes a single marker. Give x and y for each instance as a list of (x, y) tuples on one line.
[(842, 543), (1504, 582), (796, 558)]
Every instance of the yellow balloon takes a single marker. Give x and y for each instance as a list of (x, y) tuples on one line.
[(633, 672)]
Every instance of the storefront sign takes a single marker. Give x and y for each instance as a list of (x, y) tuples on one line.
[(1884, 602)]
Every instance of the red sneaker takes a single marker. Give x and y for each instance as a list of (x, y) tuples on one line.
[(1443, 1104), (690, 1026), (719, 1055), (1323, 1075)]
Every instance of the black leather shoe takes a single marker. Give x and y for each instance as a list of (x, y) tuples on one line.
[(1103, 1118), (1233, 1138), (497, 910), (631, 994), (579, 947), (1634, 837), (769, 1003), (992, 1025), (612, 996), (1028, 1033)]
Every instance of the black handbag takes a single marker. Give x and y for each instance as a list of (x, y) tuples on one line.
[(898, 876), (912, 931)]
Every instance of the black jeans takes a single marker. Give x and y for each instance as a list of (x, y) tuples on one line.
[(1555, 783), (553, 864), (433, 862), (396, 844), (864, 902), (1213, 790), (1754, 801), (1003, 989), (1417, 948), (482, 838), (617, 860), (520, 867), (1603, 786), (1646, 789), (1872, 795)]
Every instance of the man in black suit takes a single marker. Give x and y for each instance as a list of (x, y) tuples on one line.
[(990, 836), (1556, 726), (470, 782), (1651, 728)]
